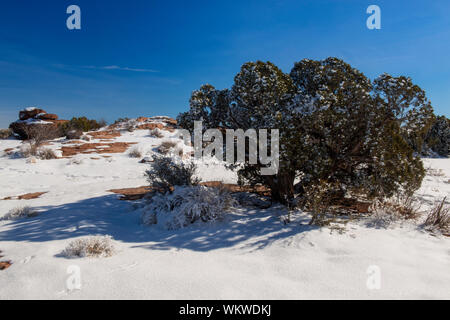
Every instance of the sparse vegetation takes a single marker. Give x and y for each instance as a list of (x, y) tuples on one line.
[(187, 205), (5, 133), (386, 212), (439, 217), (167, 172), (135, 152), (30, 149), (83, 124), (156, 133), (166, 147), (20, 213), (92, 247), (46, 154)]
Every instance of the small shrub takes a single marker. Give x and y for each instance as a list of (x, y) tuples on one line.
[(74, 134), (179, 152), (187, 205), (121, 120), (32, 150), (386, 212), (27, 150), (435, 172), (317, 202), (135, 153), (38, 134), (130, 125), (46, 154), (439, 217), (156, 133), (166, 147), (93, 247), (76, 161), (19, 213), (82, 124), (5, 133), (167, 172)]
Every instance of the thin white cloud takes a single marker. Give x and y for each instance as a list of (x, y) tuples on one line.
[(121, 69)]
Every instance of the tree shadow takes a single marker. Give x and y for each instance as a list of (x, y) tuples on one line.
[(106, 215)]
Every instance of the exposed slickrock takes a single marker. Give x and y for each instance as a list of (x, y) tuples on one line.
[(89, 148), (28, 196)]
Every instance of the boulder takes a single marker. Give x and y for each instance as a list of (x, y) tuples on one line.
[(37, 120), (30, 113), (47, 116)]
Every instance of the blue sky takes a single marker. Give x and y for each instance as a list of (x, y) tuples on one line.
[(144, 57)]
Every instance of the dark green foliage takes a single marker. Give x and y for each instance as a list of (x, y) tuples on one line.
[(438, 137), (355, 135), (337, 127), (5, 133), (81, 124)]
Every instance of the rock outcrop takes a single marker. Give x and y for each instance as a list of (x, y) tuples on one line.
[(36, 119)]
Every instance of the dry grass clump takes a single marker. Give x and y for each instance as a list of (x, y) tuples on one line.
[(32, 150), (385, 212), (5, 133), (92, 247), (439, 217), (156, 133), (166, 147), (435, 172), (46, 154), (135, 153), (20, 213)]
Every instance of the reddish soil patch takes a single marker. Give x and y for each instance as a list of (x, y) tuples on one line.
[(262, 190), (73, 142), (88, 148), (9, 151), (27, 196), (139, 192), (151, 126), (132, 193), (5, 265), (349, 204), (111, 134)]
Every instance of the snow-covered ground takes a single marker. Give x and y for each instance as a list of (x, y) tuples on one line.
[(251, 255)]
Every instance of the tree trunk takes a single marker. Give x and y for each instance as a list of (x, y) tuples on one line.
[(282, 187)]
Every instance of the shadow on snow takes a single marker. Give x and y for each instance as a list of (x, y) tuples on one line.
[(251, 229)]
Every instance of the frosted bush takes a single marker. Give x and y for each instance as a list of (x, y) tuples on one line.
[(439, 217), (167, 172), (384, 213), (93, 247), (76, 161), (135, 152), (27, 150), (46, 154), (156, 133), (167, 147), (187, 205), (19, 213)]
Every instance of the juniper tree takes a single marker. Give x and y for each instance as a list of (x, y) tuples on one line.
[(355, 135), (336, 126), (438, 137)]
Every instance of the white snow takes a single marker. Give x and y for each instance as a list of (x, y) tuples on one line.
[(250, 255)]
